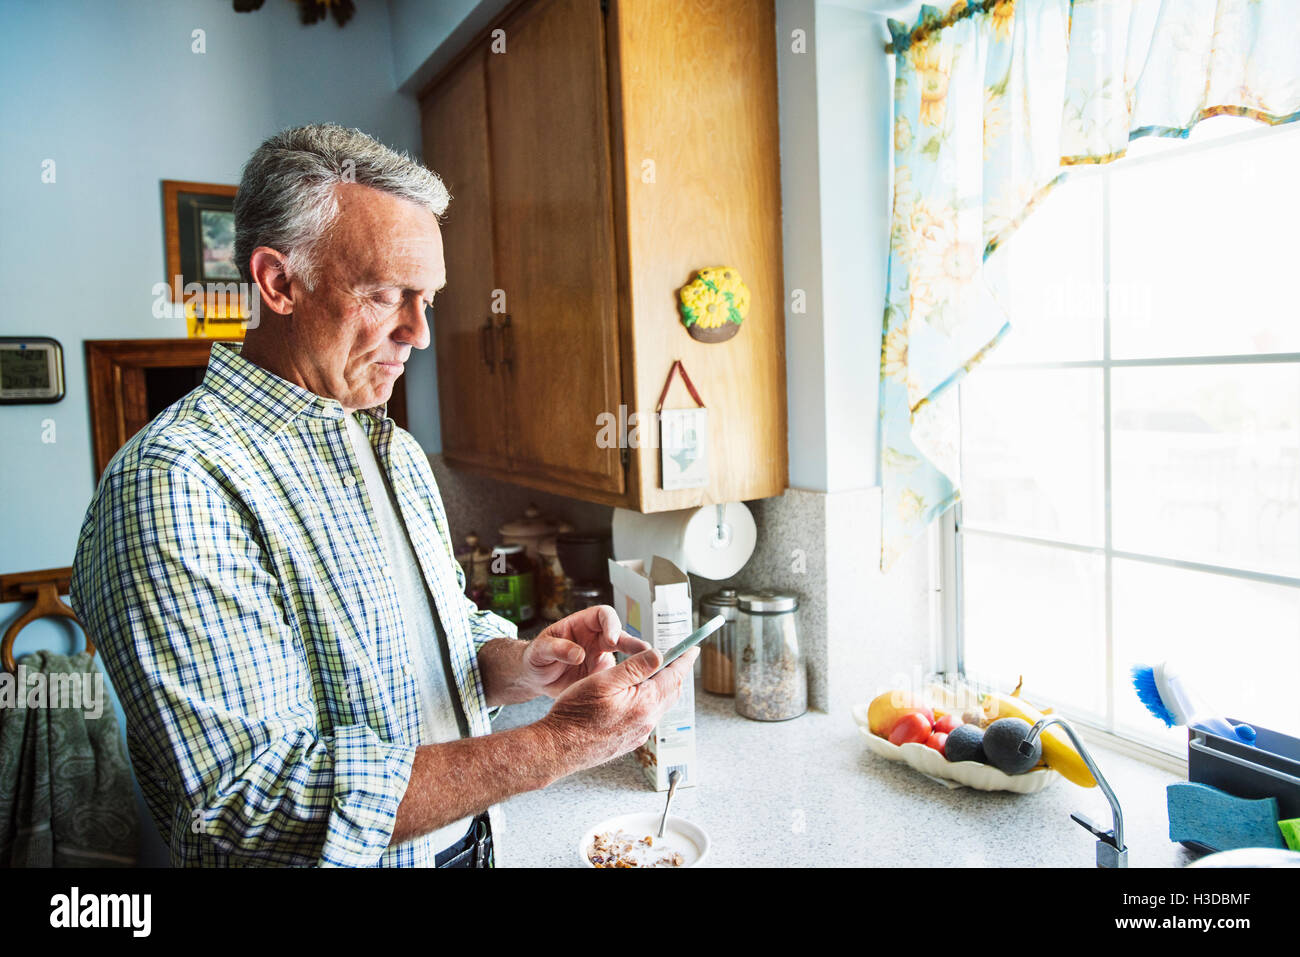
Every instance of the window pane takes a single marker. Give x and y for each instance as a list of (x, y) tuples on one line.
[(1036, 611), (1055, 278), (1237, 643), (1202, 249), (1206, 464), (1032, 452)]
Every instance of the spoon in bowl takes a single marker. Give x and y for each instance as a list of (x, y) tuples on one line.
[(673, 778)]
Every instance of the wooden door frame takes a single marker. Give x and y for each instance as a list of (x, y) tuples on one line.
[(115, 370)]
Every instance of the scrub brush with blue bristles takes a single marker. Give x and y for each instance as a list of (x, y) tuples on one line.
[(1167, 696)]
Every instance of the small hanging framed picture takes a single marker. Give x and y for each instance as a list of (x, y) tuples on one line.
[(684, 448), (683, 439)]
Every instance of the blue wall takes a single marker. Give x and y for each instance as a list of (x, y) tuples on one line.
[(113, 93), (427, 34)]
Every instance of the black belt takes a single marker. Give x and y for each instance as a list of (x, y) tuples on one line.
[(472, 850)]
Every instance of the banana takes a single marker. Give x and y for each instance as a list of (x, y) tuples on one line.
[(1058, 752)]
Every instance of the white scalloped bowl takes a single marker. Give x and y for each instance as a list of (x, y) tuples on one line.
[(952, 774)]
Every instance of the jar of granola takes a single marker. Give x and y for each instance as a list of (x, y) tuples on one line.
[(771, 675)]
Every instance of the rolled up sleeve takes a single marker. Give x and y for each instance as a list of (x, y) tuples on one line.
[(171, 582)]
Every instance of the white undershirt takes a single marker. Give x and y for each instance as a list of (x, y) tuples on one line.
[(440, 718)]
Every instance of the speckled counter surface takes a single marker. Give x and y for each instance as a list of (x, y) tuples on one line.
[(808, 793)]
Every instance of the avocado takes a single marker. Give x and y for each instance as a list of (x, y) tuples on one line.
[(1002, 745), (966, 743)]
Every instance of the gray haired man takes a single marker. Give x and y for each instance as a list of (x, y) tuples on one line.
[(268, 570)]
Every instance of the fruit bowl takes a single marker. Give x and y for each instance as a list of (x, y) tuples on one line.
[(952, 774)]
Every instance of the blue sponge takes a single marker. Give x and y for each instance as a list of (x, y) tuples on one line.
[(1206, 815)]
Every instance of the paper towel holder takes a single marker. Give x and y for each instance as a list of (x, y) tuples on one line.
[(722, 530)]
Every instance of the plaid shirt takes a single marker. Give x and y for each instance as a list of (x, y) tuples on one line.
[(230, 571)]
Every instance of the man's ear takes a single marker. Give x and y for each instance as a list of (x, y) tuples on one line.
[(268, 268)]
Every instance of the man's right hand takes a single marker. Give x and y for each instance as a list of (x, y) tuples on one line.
[(608, 714)]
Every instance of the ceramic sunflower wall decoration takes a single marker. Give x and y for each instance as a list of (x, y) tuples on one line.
[(714, 304)]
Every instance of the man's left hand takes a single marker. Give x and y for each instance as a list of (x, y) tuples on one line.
[(575, 647)]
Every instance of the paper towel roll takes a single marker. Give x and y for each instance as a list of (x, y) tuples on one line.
[(688, 538)]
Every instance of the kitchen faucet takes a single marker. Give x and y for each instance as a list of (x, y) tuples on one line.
[(1111, 851)]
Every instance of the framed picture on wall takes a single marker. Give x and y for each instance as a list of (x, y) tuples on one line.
[(199, 222)]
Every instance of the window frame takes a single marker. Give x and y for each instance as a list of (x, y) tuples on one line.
[(947, 541)]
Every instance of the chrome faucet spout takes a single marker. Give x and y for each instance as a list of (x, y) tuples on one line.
[(1111, 851)]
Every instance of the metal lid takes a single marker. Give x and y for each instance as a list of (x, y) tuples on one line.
[(721, 602), (767, 602)]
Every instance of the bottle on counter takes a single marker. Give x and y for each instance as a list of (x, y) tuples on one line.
[(510, 577), (474, 562), (552, 587), (771, 675)]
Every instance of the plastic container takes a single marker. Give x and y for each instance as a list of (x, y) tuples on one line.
[(1269, 768), (771, 673)]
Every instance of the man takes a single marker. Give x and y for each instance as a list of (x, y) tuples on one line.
[(268, 571)]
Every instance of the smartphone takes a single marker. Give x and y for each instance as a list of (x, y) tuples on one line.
[(691, 640)]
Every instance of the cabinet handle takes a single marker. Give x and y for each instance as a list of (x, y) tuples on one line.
[(485, 344), (507, 343)]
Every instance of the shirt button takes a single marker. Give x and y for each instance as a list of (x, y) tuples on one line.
[(406, 667), (350, 481)]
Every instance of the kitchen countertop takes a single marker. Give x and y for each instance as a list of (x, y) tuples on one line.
[(808, 792)]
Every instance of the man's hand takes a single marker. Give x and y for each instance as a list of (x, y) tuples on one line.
[(610, 713), (569, 650), (595, 719), (575, 647)]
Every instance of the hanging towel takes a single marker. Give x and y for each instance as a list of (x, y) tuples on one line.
[(66, 798)]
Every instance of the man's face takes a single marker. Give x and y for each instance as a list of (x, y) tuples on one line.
[(376, 272)]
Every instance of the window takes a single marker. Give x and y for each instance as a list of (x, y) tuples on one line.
[(1131, 452)]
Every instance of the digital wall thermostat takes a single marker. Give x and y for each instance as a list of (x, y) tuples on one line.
[(31, 370)]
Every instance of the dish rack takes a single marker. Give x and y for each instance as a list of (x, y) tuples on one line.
[(1241, 777)]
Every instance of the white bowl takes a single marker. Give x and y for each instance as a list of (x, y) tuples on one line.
[(647, 822)]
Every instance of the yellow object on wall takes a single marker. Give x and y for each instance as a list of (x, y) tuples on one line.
[(714, 304), (217, 322)]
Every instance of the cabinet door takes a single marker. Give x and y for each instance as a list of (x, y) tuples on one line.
[(549, 123), (470, 377)]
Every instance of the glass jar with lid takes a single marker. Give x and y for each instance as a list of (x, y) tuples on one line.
[(510, 579), (717, 654), (771, 675)]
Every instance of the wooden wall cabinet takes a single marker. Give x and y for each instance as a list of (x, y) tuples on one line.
[(594, 165)]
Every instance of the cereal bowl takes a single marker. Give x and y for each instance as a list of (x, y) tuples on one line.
[(680, 836)]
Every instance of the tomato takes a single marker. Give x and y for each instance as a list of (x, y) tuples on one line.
[(947, 723), (938, 741), (911, 727)]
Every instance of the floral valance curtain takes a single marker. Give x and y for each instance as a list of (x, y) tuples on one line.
[(993, 102)]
